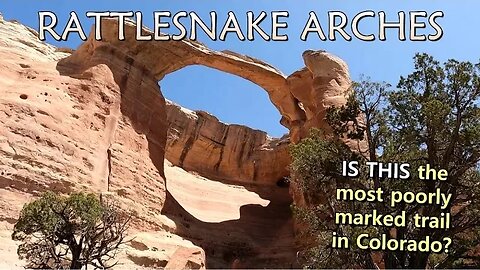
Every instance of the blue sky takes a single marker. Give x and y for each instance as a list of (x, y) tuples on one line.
[(235, 100)]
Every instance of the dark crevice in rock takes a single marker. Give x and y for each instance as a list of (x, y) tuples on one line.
[(109, 164), (241, 152), (224, 140), (254, 176), (191, 139)]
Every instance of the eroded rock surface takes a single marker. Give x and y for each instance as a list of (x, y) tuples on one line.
[(249, 226), (69, 133), (198, 141)]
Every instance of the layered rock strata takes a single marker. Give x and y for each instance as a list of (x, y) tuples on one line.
[(198, 141)]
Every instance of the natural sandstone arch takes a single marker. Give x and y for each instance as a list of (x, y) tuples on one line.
[(301, 98), (258, 159), (164, 57)]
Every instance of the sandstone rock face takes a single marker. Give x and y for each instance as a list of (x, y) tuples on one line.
[(199, 142), (79, 132), (95, 120), (323, 83), (254, 234), (63, 133)]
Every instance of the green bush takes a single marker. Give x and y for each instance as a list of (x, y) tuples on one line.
[(316, 171), (69, 232), (432, 117)]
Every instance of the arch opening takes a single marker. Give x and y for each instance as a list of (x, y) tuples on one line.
[(198, 141), (222, 179), (232, 99)]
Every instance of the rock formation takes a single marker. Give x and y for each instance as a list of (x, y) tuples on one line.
[(199, 142), (95, 120), (326, 79)]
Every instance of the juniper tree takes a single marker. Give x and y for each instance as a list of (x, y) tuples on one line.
[(70, 232), (432, 117)]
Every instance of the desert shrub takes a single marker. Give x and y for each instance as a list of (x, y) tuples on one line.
[(71, 232)]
